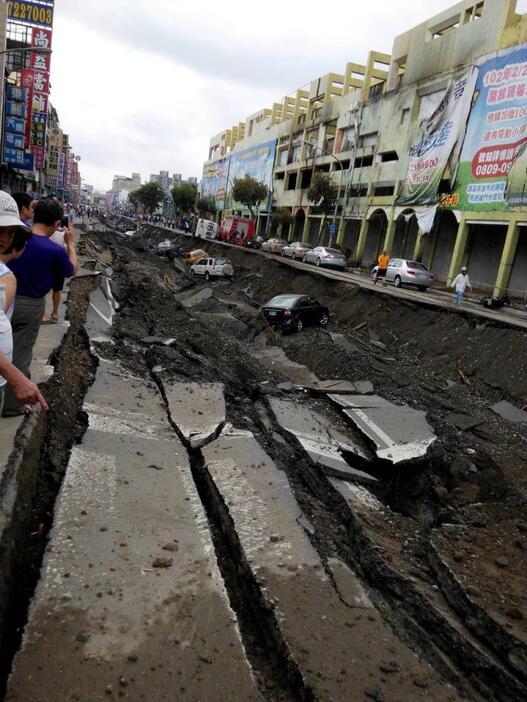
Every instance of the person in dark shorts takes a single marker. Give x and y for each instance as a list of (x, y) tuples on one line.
[(382, 267)]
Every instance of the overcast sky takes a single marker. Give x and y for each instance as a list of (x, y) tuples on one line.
[(142, 86)]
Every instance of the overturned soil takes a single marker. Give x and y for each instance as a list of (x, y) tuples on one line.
[(454, 525)]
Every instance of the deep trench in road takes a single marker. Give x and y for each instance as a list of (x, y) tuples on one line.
[(438, 542)]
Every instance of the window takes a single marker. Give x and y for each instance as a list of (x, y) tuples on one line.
[(442, 29), (348, 139), (283, 157), (473, 13), (359, 191), (280, 175), (306, 178), (384, 190), (388, 156), (363, 161), (404, 115), (291, 182), (368, 139)]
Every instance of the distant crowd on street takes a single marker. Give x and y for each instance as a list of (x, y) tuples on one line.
[(37, 255)]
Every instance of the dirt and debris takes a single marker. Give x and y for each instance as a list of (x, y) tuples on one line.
[(450, 520)]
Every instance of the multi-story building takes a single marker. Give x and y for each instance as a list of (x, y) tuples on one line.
[(426, 146), (167, 182)]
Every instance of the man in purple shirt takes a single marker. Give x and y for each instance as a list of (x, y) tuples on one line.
[(37, 271)]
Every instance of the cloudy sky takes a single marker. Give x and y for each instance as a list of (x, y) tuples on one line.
[(142, 86)]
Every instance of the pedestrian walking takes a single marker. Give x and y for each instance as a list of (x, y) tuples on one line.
[(382, 267), (37, 271), (460, 283)]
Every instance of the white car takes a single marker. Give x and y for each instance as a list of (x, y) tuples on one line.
[(213, 268)]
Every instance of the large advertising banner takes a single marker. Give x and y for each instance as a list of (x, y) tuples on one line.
[(493, 164), (439, 143), (214, 181), (256, 162)]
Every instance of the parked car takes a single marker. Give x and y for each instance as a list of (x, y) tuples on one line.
[(401, 272), (164, 247), (296, 250), (255, 243), (322, 256), (206, 229), (294, 312), (274, 245), (213, 268), (194, 256)]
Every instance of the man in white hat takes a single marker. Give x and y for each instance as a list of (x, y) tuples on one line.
[(460, 283)]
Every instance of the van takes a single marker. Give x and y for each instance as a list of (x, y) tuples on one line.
[(236, 230), (206, 229)]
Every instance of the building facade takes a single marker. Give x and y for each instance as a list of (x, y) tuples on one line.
[(426, 146)]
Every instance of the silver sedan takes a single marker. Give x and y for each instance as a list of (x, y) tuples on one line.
[(402, 271), (322, 256), (296, 250)]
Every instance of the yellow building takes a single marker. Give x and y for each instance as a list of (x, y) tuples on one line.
[(360, 125)]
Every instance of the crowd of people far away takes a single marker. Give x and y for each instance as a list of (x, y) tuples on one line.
[(37, 255)]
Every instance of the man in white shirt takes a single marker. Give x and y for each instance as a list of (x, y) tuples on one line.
[(460, 283)]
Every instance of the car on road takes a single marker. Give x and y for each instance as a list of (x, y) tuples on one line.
[(294, 312), (296, 250), (402, 271), (164, 247), (255, 243), (274, 245), (213, 268), (323, 256), (194, 256)]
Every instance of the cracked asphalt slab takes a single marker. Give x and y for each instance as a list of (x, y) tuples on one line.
[(329, 587)]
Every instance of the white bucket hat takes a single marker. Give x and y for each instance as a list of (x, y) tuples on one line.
[(9, 216)]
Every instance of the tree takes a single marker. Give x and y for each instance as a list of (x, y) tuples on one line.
[(322, 191), (282, 217), (150, 195), (133, 199), (206, 207), (249, 192), (184, 196)]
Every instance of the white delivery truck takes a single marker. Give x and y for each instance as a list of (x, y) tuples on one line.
[(206, 229)]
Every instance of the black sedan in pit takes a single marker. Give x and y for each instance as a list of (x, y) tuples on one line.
[(294, 312)]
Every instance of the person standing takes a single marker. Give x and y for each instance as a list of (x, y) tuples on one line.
[(382, 267), (460, 283), (38, 270), (26, 206), (13, 239)]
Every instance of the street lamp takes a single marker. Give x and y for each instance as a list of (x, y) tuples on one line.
[(26, 50)]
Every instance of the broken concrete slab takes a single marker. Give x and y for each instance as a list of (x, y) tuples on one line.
[(331, 632), (399, 432), (342, 387), (106, 619), (508, 411), (196, 409), (276, 359), (322, 443), (461, 421), (196, 298)]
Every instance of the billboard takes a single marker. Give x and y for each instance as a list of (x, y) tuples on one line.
[(439, 143), (256, 162), (36, 14), (214, 181), (492, 171)]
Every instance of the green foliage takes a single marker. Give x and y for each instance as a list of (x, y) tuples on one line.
[(249, 192), (324, 191), (184, 196), (150, 196), (206, 207)]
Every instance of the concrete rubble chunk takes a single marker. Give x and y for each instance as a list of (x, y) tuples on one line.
[(110, 594), (322, 611), (322, 443), (342, 387), (508, 411), (399, 432), (197, 410), (196, 298)]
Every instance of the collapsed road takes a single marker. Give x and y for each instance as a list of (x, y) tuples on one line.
[(244, 515)]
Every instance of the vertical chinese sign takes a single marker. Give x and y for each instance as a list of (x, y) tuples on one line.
[(35, 20), (492, 172)]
